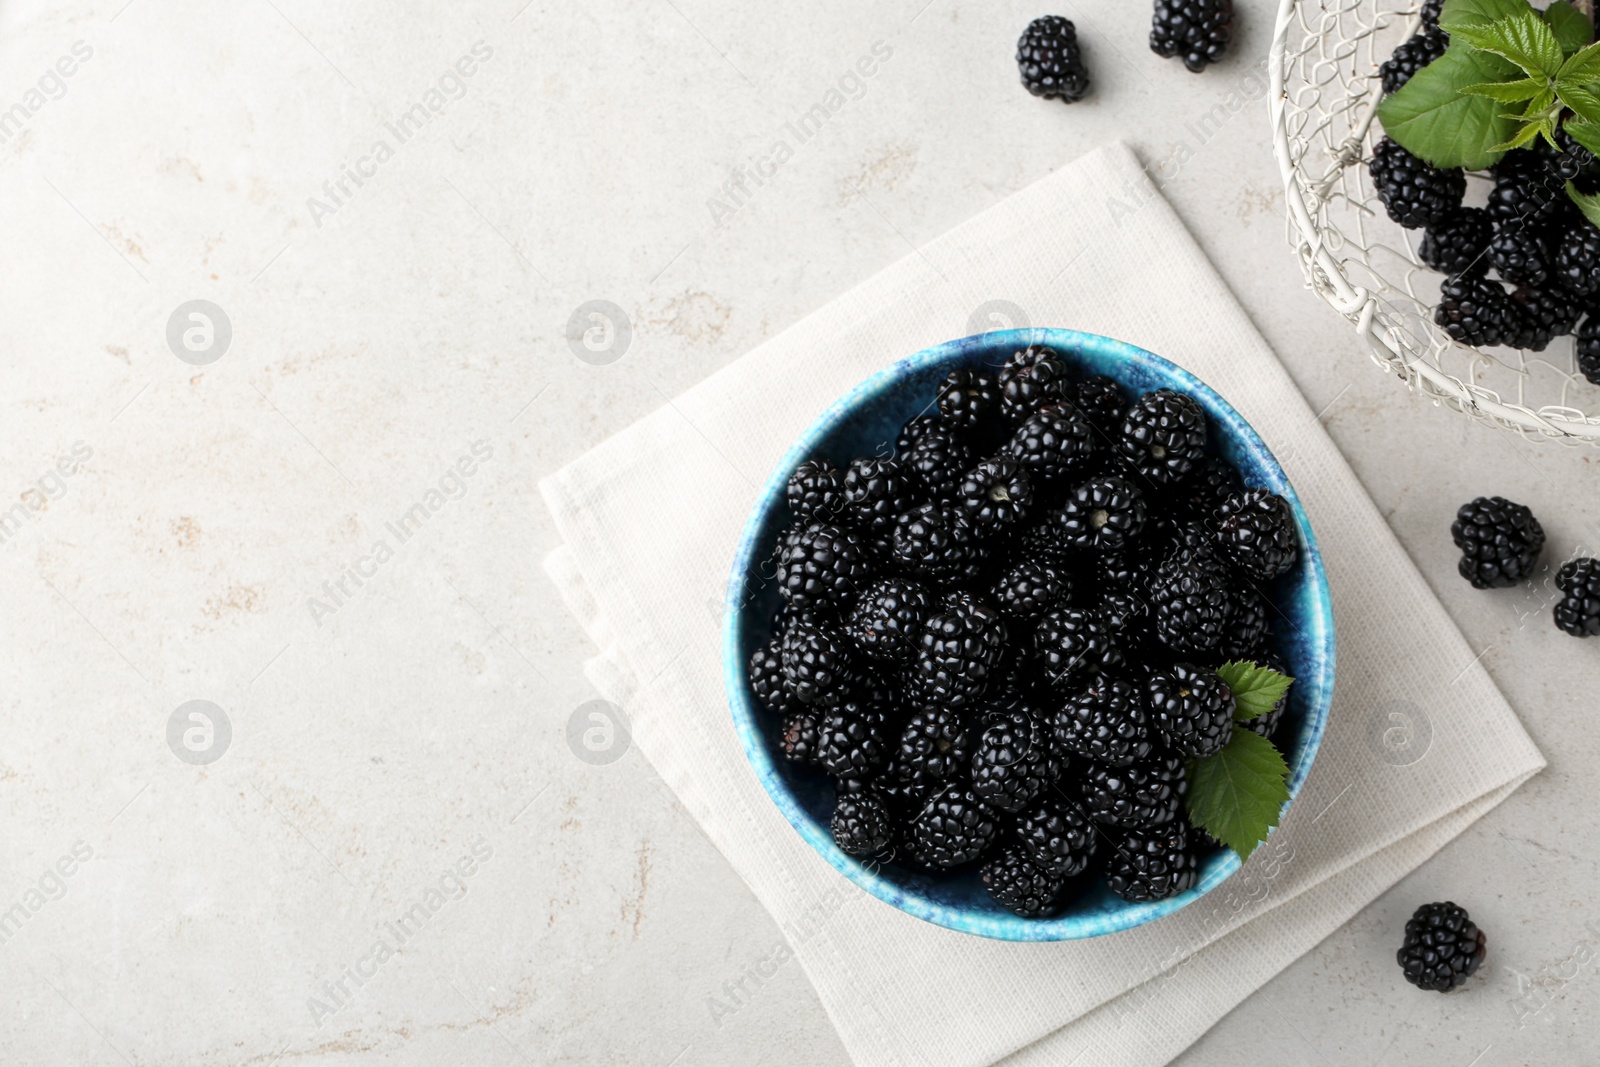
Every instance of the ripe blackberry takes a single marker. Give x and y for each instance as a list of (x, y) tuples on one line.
[(1414, 193), (1500, 542), (766, 679), (996, 493), (1040, 541), (1577, 258), (1051, 60), (1053, 442), (1106, 722), (1199, 495), (1104, 514), (815, 492), (951, 828), (1526, 195), (1073, 642), (852, 739), (1411, 57), (1126, 572), (1057, 836), (1578, 610), (1145, 795), (886, 622), (1198, 31), (938, 460), (912, 432), (1192, 709), (1256, 530), (1247, 625), (903, 790), (875, 491), (958, 651), (936, 540), (1475, 311), (1442, 947), (861, 824), (823, 565), (1143, 867), (1163, 435), (799, 738), (1123, 611), (816, 662), (1542, 316), (967, 399), (1430, 13), (936, 742), (1519, 256), (1458, 243), (1588, 350), (1190, 602), (1013, 764), (1021, 885), (1031, 587), (1031, 378)]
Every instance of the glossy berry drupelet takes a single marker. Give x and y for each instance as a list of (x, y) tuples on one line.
[(1190, 602), (967, 399), (1247, 625), (875, 491), (1031, 378), (1051, 60), (1199, 495), (951, 827), (1526, 196), (912, 432), (1577, 258), (1256, 531), (1500, 542), (1192, 709), (1103, 514), (799, 737), (1197, 31), (938, 460), (861, 824), (1021, 885), (903, 790), (937, 541), (1414, 193), (1030, 588), (1458, 243), (1013, 764), (1543, 315), (1057, 836), (1520, 256), (1431, 9), (1143, 867), (886, 623), (1123, 611), (958, 651), (1578, 610), (852, 739), (1588, 350), (815, 492), (996, 493), (766, 679), (936, 742), (823, 565), (1105, 721), (1475, 311), (1443, 947), (816, 662), (1163, 435), (1071, 643), (1053, 442), (1145, 795), (1411, 57)]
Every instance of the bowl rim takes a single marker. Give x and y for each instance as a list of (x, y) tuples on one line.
[(747, 717)]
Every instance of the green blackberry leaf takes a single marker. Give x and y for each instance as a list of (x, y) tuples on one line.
[(1461, 15), (1509, 92), (1589, 204), (1572, 27), (1433, 120), (1584, 103), (1256, 689), (1238, 794), (1524, 38), (1585, 133), (1583, 68)]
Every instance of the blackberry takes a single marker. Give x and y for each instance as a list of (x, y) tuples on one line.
[(1577, 258), (1143, 867), (1526, 195), (1040, 542), (1457, 243), (938, 541), (1500, 542), (1029, 588), (816, 662), (1190, 602), (1414, 193), (886, 622), (912, 432), (903, 790), (1247, 625), (951, 828), (823, 564), (875, 491), (1542, 316), (1103, 514), (1198, 31), (1105, 722), (1519, 256), (1058, 837), (1430, 13), (1411, 57), (799, 738), (1163, 435), (938, 460), (1145, 795), (815, 492), (861, 824), (936, 742), (1013, 764), (1192, 709), (1072, 643), (1100, 400), (1051, 60), (958, 651), (1211, 482), (1021, 885), (1588, 350), (1475, 311), (851, 739), (1126, 572), (1578, 610), (996, 493), (1256, 530), (967, 399), (766, 679), (1052, 442), (1123, 610), (1442, 947), (1031, 378)]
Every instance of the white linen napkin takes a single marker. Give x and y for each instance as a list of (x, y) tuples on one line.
[(1419, 742)]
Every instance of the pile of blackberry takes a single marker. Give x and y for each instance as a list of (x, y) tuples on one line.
[(1001, 643), (1500, 543), (1522, 270)]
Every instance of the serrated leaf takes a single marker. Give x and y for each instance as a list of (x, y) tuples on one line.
[(1524, 136), (1238, 794), (1458, 15), (1256, 688), (1582, 68), (1588, 203), (1509, 92), (1585, 133), (1572, 27), (1524, 38), (1583, 102), (1432, 119)]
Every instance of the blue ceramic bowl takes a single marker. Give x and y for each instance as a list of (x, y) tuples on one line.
[(865, 422)]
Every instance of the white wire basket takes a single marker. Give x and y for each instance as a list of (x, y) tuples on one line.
[(1325, 94)]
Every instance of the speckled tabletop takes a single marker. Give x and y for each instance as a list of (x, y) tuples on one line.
[(288, 290)]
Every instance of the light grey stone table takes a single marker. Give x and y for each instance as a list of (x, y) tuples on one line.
[(314, 507)]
